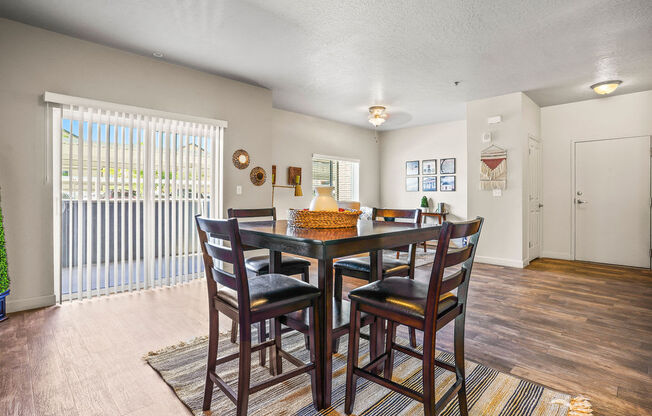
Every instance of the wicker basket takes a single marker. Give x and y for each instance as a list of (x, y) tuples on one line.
[(323, 219)]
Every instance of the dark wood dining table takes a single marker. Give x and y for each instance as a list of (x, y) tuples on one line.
[(324, 245)]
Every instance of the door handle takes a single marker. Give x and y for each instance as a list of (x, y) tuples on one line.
[(580, 201), (540, 205)]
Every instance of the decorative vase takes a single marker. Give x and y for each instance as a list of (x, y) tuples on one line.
[(324, 200), (3, 305)]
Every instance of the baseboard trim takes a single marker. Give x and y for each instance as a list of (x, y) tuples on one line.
[(498, 261), (556, 255), (17, 305)]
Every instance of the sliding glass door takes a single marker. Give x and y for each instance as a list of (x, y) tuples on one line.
[(127, 187)]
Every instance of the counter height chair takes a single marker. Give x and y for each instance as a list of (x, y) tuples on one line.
[(249, 301), (360, 267), (426, 306), (260, 265)]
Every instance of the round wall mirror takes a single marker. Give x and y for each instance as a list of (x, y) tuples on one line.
[(240, 159), (258, 176)]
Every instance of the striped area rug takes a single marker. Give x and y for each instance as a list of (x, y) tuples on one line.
[(489, 392)]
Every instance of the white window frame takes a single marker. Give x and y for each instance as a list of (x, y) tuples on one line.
[(356, 170)]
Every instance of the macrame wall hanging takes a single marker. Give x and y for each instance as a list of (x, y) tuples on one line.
[(493, 168)]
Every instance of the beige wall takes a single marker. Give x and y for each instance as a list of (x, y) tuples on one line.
[(295, 137), (434, 141), (504, 236), (603, 118)]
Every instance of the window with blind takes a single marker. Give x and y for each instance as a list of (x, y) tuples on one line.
[(340, 173), (127, 183)]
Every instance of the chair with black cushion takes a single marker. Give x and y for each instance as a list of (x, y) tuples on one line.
[(360, 267), (249, 301), (426, 306), (260, 265)]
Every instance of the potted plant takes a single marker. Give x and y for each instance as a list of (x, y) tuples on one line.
[(4, 273), (424, 204)]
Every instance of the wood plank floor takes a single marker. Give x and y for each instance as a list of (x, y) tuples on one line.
[(580, 328)]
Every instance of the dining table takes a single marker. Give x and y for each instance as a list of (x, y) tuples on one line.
[(325, 245)]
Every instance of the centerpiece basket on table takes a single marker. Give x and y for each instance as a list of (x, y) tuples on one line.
[(323, 213), (303, 218)]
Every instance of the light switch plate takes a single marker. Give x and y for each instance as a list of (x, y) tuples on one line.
[(238, 190), (498, 192)]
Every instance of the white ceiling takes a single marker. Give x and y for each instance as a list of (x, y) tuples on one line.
[(335, 58)]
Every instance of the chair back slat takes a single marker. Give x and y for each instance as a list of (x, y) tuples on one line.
[(227, 231), (219, 253), (413, 214), (458, 255), (445, 258), (466, 228), (453, 281), (252, 213), (224, 278), (391, 214)]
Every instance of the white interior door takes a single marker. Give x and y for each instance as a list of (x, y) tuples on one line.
[(612, 201), (534, 198)]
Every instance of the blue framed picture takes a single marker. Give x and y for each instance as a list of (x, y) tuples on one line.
[(447, 183), (412, 184), (429, 184)]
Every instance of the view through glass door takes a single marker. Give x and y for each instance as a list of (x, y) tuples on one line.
[(128, 187)]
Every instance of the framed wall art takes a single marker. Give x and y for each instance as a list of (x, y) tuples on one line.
[(412, 184), (429, 167), (429, 184), (447, 183), (447, 166), (412, 168)]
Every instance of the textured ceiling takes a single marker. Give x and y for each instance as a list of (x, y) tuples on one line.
[(335, 58)]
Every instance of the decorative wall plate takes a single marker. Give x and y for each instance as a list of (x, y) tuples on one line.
[(240, 159), (258, 176)]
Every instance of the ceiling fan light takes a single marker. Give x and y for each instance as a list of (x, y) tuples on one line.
[(377, 120), (606, 87), (377, 115)]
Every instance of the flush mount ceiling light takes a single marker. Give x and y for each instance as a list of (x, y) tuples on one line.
[(377, 115), (606, 87)]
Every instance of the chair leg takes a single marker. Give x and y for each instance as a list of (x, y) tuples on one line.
[(458, 340), (337, 285), (413, 332), (429, 400), (305, 275), (234, 332), (389, 361), (276, 361), (352, 360), (262, 337), (214, 337), (244, 376), (315, 356)]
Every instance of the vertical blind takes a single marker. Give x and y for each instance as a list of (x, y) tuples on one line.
[(127, 184)]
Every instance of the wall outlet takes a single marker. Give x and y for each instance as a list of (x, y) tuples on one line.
[(238, 190), (486, 137), (498, 192)]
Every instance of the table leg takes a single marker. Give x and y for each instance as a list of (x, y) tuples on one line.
[(376, 263), (274, 261), (325, 282)]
